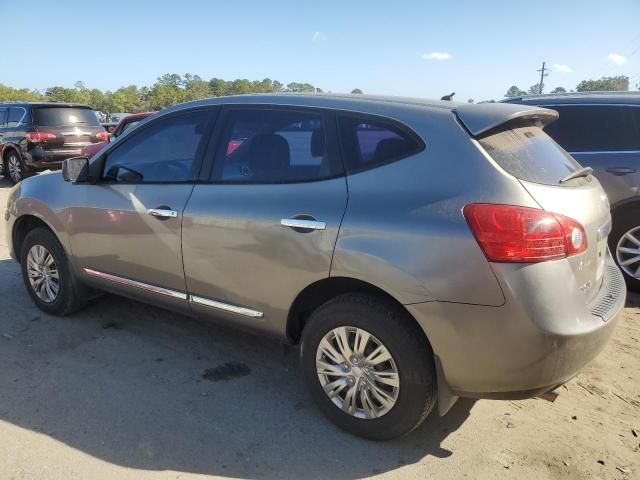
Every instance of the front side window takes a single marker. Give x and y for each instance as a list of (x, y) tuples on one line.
[(165, 151), (274, 146), (369, 142), (596, 128), (15, 115)]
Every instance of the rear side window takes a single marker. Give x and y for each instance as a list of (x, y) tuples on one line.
[(369, 142), (529, 154), (65, 117), (275, 146), (596, 128), (3, 118), (15, 115)]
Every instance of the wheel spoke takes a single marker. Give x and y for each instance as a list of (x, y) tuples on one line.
[(629, 236), (367, 404), (362, 338), (342, 339), (334, 388), (379, 355), (350, 404), (631, 260), (324, 368), (382, 396), (388, 377), (328, 351)]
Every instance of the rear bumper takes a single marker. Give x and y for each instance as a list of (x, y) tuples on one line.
[(39, 159), (540, 338)]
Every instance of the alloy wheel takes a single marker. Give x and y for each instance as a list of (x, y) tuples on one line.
[(15, 167), (43, 274), (357, 372), (628, 252)]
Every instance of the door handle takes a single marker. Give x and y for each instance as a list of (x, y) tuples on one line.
[(162, 212), (621, 170), (303, 224)]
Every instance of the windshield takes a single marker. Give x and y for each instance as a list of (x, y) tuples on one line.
[(66, 116), (530, 154)]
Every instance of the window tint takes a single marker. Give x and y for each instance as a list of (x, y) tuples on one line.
[(163, 152), (529, 154), (274, 146), (65, 117), (3, 118), (368, 142), (15, 115), (584, 128)]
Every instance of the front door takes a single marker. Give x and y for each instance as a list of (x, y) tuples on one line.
[(264, 222), (126, 236)]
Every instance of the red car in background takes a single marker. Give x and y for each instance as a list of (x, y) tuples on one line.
[(126, 123)]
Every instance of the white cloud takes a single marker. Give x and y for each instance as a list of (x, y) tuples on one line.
[(436, 56), (562, 68), (617, 58), (318, 37)]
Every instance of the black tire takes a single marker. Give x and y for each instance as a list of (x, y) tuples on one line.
[(20, 170), (624, 222), (406, 343), (72, 295)]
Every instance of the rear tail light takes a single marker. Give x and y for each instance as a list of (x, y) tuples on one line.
[(39, 137), (103, 136), (508, 233)]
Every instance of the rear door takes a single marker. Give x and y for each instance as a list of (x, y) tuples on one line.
[(540, 164), (606, 138), (263, 222)]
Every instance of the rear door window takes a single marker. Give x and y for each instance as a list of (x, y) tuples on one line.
[(66, 117), (368, 142), (529, 154), (15, 115), (596, 128), (3, 117), (261, 145)]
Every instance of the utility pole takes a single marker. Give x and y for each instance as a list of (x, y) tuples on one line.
[(543, 73)]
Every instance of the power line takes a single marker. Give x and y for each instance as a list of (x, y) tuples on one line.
[(542, 75)]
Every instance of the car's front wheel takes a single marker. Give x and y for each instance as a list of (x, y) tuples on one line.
[(368, 366), (48, 276)]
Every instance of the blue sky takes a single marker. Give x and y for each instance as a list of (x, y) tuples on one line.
[(418, 48)]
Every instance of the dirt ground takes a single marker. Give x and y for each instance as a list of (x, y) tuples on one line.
[(127, 391)]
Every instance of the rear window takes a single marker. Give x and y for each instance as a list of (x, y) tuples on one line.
[(596, 128), (530, 154), (66, 116)]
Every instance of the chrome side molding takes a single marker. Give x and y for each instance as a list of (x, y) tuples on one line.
[(136, 284), (247, 312)]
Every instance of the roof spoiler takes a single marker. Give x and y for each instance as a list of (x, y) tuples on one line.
[(488, 118)]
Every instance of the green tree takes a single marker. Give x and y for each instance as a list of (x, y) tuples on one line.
[(470, 100), (300, 87), (514, 91), (13, 94), (356, 91), (534, 89), (619, 83), (559, 90)]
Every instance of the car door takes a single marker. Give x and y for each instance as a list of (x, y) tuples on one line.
[(263, 223), (605, 138), (126, 230)]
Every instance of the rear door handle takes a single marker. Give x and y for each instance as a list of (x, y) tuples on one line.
[(303, 224), (621, 170), (162, 213)]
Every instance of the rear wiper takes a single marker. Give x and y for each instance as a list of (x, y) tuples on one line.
[(582, 172)]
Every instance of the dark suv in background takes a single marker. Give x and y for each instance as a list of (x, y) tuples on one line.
[(602, 130), (40, 136)]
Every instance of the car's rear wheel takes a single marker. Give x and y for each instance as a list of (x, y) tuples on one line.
[(368, 366), (15, 167), (48, 276), (624, 243)]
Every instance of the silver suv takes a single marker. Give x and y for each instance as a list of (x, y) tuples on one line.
[(416, 250)]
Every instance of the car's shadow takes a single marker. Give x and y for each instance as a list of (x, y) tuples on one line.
[(143, 388)]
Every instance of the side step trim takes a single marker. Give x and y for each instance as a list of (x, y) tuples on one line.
[(247, 312), (133, 283)]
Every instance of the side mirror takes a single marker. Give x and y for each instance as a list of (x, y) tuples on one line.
[(75, 169)]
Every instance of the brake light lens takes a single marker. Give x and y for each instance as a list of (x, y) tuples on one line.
[(39, 137), (507, 233), (103, 136)]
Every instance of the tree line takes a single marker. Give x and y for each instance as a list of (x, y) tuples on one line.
[(168, 90), (618, 83)]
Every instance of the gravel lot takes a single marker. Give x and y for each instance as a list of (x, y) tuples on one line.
[(123, 391)]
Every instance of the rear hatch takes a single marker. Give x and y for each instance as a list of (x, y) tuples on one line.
[(521, 148), (71, 127)]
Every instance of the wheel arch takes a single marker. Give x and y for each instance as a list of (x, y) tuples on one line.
[(22, 226)]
